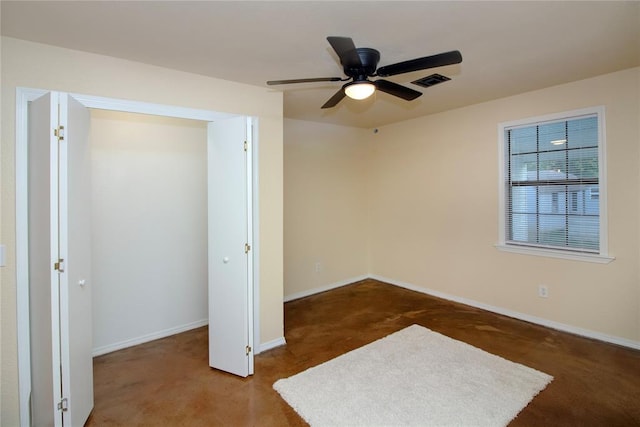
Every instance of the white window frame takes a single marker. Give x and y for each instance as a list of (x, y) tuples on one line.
[(602, 256)]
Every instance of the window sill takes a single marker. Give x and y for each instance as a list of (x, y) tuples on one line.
[(550, 253)]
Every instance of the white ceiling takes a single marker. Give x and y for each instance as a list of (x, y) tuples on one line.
[(507, 47)]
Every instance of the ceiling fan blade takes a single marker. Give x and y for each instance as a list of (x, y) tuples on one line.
[(439, 60), (333, 101), (397, 90), (311, 80), (346, 50)]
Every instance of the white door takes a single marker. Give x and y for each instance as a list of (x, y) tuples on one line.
[(58, 144), (43, 252), (230, 267), (75, 248)]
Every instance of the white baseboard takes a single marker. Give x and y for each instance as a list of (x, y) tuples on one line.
[(271, 344), (99, 351), (281, 341), (516, 315), (324, 288)]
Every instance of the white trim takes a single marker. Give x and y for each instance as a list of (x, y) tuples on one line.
[(271, 344), (553, 117), (99, 351), (499, 310), (255, 162), (114, 104), (249, 209), (514, 314), (324, 288), (551, 253), (23, 96), (603, 255), (602, 182)]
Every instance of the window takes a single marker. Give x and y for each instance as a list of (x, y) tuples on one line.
[(552, 185)]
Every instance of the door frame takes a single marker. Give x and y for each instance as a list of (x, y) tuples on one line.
[(23, 97)]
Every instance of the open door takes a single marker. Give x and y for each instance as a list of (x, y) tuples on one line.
[(76, 340), (43, 149), (230, 267), (59, 261)]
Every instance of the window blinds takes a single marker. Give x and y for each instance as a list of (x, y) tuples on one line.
[(552, 185)]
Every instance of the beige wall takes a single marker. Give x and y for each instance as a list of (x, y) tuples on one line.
[(434, 210), (325, 206), (39, 66)]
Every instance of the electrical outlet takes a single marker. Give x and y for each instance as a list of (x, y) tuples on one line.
[(543, 291), (318, 267)]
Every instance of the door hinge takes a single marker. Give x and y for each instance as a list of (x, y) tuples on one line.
[(245, 146), (247, 248), (59, 132), (248, 350), (59, 265), (63, 405)]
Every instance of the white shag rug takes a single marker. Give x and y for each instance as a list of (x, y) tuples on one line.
[(414, 377)]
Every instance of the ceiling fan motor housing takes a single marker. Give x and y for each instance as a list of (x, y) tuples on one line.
[(369, 59)]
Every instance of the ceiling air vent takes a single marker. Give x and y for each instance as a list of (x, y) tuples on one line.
[(431, 80)]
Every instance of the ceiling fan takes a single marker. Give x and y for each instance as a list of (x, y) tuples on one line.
[(361, 63)]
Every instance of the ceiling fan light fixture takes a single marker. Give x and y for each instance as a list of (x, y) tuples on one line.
[(359, 89), (360, 63)]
